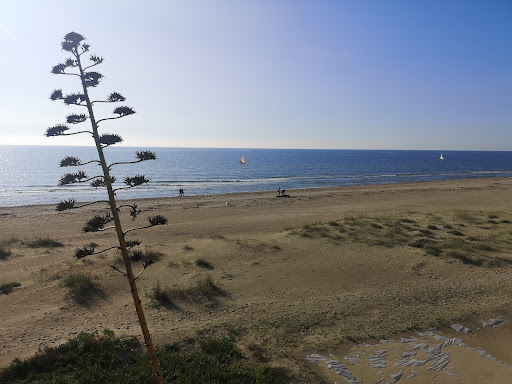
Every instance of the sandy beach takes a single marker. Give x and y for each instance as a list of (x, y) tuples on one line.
[(331, 272)]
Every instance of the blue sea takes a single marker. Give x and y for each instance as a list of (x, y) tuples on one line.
[(30, 174)]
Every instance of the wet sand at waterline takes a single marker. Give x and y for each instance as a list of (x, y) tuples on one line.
[(328, 271)]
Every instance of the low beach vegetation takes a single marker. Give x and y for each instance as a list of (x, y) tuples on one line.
[(4, 252), (80, 287), (43, 243), (469, 217), (105, 358), (478, 245), (50, 273), (203, 291), (7, 288), (202, 263)]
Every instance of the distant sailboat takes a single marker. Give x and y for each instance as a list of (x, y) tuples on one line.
[(441, 158), (242, 161)]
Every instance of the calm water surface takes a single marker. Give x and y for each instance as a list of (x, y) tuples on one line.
[(30, 174)]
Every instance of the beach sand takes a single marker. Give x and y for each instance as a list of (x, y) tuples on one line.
[(321, 271)]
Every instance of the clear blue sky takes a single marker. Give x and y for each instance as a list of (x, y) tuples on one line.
[(396, 74)]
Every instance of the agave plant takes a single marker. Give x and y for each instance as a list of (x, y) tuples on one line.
[(75, 66)]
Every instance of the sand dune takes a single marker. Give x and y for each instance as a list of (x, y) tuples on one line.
[(309, 273)]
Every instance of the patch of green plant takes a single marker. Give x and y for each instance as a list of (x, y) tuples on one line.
[(80, 287), (433, 250), (426, 232), (498, 262), (420, 243), (202, 263), (458, 244), (468, 217), (289, 330), (44, 243), (7, 288), (4, 252), (107, 359), (390, 232), (47, 275), (204, 290), (465, 258)]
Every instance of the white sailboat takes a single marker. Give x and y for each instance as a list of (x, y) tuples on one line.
[(441, 158)]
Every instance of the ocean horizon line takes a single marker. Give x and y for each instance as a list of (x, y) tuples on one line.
[(121, 146)]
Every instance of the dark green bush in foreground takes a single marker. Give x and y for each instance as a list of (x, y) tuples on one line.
[(92, 358)]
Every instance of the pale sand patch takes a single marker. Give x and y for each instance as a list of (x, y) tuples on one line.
[(441, 357), (293, 293)]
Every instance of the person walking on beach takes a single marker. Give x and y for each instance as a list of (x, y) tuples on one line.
[(181, 192)]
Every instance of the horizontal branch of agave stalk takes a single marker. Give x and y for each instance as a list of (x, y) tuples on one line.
[(90, 250), (80, 177), (100, 182), (58, 130), (64, 205), (97, 223), (140, 155), (73, 66), (153, 221), (71, 161), (114, 97)]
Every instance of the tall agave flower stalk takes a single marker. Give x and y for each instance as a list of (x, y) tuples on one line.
[(74, 66)]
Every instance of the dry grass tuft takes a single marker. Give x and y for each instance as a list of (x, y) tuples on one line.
[(474, 247), (203, 291), (80, 287), (44, 243), (7, 288)]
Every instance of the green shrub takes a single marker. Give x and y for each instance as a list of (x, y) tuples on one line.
[(80, 286), (44, 243), (466, 259), (93, 358), (7, 288), (204, 264), (4, 253), (203, 290)]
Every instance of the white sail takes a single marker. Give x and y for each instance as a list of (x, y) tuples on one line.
[(441, 158)]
